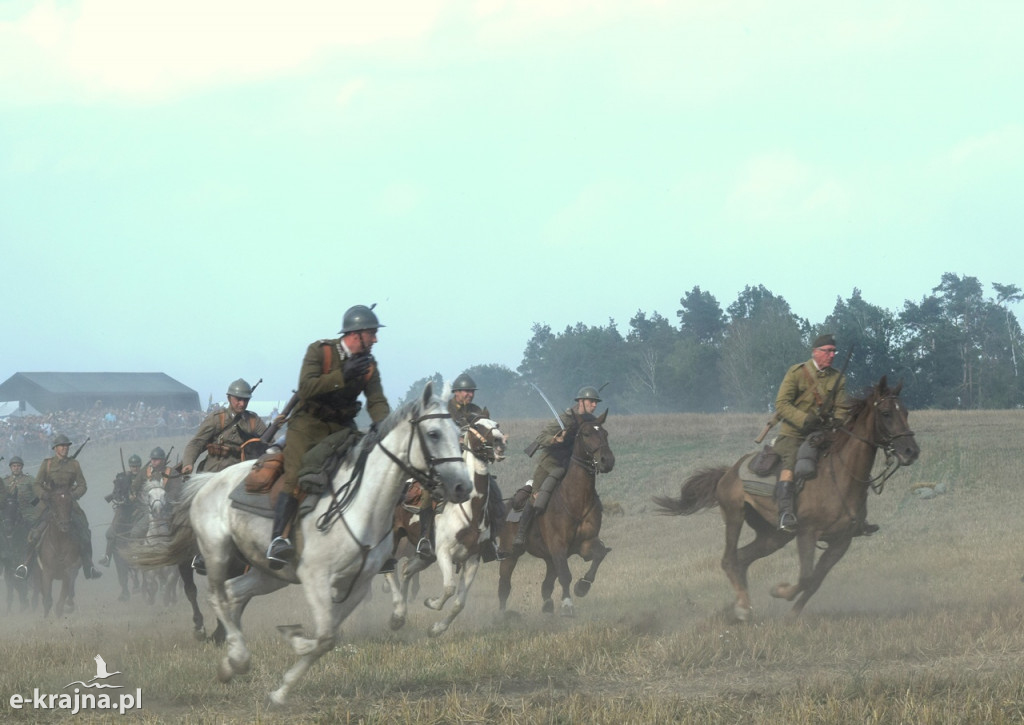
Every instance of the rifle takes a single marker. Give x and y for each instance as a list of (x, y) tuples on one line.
[(276, 423), (253, 388), (79, 450), (825, 406)]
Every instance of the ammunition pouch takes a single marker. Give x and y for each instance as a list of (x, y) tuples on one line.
[(521, 496), (219, 450), (765, 461)]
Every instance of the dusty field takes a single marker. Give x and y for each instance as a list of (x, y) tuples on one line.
[(920, 623)]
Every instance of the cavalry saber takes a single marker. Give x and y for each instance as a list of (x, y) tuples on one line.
[(553, 411)]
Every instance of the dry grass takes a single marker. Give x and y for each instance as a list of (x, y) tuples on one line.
[(918, 624)]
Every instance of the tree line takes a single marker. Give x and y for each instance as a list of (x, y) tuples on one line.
[(955, 349)]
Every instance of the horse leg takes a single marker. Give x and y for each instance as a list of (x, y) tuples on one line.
[(505, 569), (593, 551), (46, 588), (465, 581), (229, 599), (547, 587), (327, 617), (447, 567), (399, 583), (188, 580), (805, 544), (826, 561)]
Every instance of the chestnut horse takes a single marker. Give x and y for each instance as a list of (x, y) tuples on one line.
[(831, 507), (571, 522), (59, 553)]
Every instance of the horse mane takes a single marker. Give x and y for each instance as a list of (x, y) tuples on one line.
[(379, 431)]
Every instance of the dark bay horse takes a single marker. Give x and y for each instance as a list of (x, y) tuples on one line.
[(13, 545), (830, 508), (59, 554), (570, 524)]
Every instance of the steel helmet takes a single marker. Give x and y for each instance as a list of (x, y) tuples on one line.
[(61, 440), (588, 392), (134, 460), (464, 382), (157, 452), (359, 317), (16, 459), (240, 389)]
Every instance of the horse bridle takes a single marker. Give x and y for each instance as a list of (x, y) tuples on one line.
[(485, 450), (886, 445), (590, 466)]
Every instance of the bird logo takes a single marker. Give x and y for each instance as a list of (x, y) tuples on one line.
[(101, 674)]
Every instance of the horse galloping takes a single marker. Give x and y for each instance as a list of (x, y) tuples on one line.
[(342, 542), (59, 553), (157, 511), (571, 523), (830, 508), (459, 529)]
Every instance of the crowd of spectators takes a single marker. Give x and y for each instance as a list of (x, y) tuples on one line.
[(30, 436)]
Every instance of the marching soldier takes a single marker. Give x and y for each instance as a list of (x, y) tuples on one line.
[(56, 473), (333, 375), (224, 432), (556, 440)]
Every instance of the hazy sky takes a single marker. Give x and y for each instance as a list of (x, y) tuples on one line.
[(203, 190)]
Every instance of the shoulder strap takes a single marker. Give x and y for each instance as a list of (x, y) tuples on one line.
[(818, 400), (327, 358)]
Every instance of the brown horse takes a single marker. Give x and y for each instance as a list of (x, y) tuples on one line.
[(831, 507), (571, 522), (59, 554)]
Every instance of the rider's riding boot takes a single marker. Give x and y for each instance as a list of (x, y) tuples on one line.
[(199, 565), (519, 545), (784, 496), (425, 549), (282, 549)]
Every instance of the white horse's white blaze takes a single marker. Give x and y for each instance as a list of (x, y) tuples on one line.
[(334, 569), (449, 551)]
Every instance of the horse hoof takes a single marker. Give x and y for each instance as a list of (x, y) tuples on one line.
[(199, 634), (742, 614), (225, 671), (581, 588), (396, 623), (548, 608), (276, 700), (781, 591), (567, 611), (436, 631), (431, 603)]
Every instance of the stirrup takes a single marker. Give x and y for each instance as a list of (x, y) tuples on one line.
[(788, 522), (279, 548), (425, 550), (21, 572), (199, 565), (105, 561)]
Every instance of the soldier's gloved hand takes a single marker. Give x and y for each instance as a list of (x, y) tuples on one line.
[(186, 469), (355, 367), (813, 422)]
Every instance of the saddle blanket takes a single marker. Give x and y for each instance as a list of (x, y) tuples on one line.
[(753, 484), (258, 504)]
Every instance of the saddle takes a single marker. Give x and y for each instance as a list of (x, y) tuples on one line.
[(754, 482), (418, 498), (257, 493)]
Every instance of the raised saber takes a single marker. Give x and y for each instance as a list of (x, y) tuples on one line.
[(550, 406)]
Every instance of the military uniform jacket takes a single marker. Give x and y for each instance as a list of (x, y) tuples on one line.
[(226, 433), (23, 488), (57, 473), (556, 455), (798, 396), (463, 415), (328, 396)]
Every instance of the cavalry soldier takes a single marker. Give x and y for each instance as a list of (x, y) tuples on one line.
[(333, 375), (556, 440), (20, 485), (810, 395), (155, 474), (224, 432), (124, 506), (56, 473)]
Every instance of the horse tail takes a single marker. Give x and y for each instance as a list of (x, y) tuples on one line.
[(698, 493), (179, 544)]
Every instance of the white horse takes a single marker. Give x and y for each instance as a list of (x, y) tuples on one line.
[(458, 531), (342, 542), (157, 527)]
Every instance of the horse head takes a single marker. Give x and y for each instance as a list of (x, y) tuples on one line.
[(591, 446), (484, 439), (438, 457), (881, 419)]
